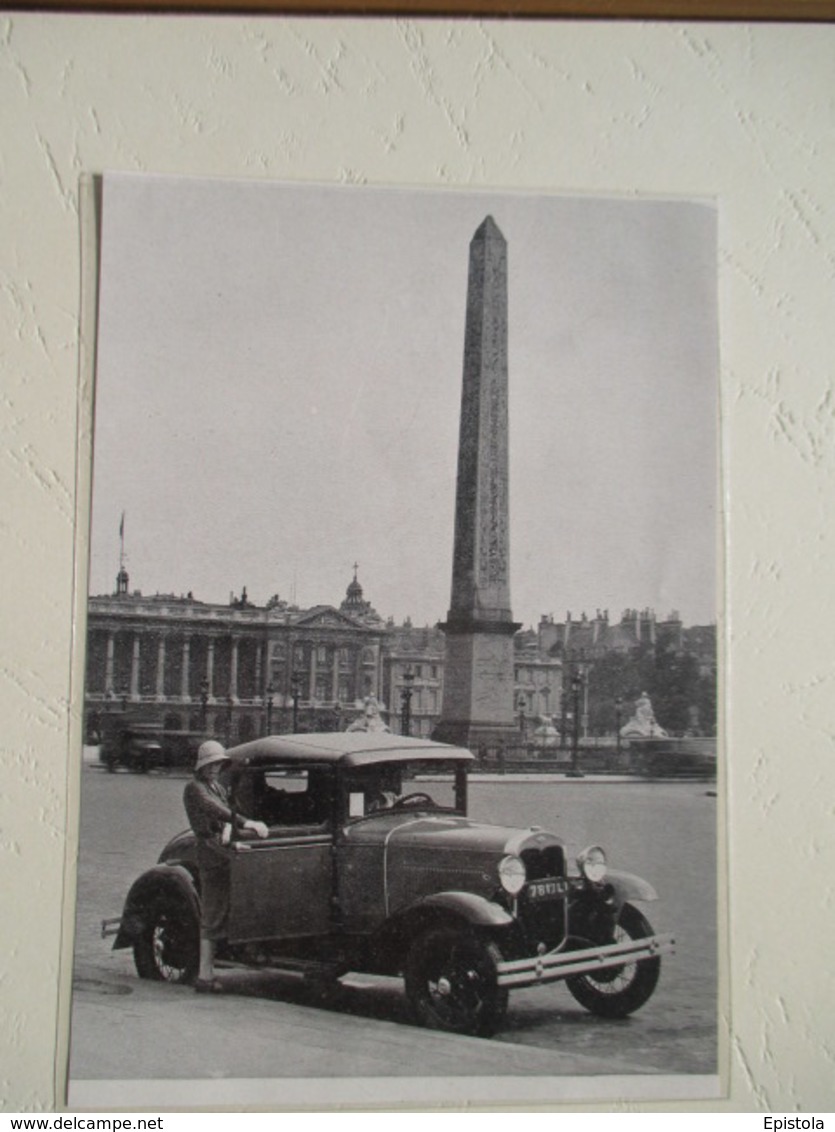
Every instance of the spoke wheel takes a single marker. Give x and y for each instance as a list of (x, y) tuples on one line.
[(614, 992), (168, 950), (451, 982)]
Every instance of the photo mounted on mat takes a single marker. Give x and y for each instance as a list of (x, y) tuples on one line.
[(400, 707)]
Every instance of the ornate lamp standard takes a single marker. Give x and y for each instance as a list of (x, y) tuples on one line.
[(576, 689), (229, 703), (296, 687), (406, 703), (270, 692), (618, 715), (204, 702)]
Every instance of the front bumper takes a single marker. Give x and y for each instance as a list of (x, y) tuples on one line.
[(554, 965)]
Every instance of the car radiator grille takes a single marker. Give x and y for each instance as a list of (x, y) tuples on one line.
[(543, 920), (541, 863)]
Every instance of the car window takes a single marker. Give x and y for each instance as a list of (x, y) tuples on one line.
[(416, 786), (290, 781), (285, 796)]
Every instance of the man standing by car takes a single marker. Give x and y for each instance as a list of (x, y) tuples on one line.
[(206, 800)]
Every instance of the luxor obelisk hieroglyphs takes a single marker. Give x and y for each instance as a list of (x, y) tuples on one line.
[(478, 678)]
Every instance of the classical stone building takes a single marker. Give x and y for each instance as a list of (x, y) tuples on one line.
[(230, 669), (586, 638), (537, 681), (413, 663)]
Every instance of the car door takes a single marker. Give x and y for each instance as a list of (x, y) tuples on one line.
[(282, 887)]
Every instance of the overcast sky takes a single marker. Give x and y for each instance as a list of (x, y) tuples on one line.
[(279, 380)]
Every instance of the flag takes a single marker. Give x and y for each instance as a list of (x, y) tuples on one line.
[(122, 526)]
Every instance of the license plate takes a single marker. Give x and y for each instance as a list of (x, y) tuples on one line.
[(546, 889)]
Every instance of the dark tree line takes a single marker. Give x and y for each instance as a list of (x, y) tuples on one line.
[(683, 698)]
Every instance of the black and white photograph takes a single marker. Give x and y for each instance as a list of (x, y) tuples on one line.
[(401, 756)]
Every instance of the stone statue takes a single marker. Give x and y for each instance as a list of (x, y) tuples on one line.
[(642, 725), (546, 734), (370, 720)]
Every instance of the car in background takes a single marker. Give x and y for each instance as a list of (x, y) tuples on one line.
[(141, 747), (136, 748), (373, 865)]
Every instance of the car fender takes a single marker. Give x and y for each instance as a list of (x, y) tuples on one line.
[(476, 910), (461, 909), (627, 886), (467, 908), (160, 879)]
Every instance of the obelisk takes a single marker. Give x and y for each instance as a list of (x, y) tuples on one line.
[(478, 704)]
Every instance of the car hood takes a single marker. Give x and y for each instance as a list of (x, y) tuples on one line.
[(447, 831), (417, 832)]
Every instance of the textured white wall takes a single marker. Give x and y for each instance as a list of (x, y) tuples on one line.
[(745, 114)]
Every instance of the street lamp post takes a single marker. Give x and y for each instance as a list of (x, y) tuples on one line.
[(618, 713), (296, 686), (563, 718), (270, 694), (520, 703), (204, 702), (576, 689), (229, 702), (406, 703)]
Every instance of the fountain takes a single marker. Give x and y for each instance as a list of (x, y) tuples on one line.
[(657, 754)]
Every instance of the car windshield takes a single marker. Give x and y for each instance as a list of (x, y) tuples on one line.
[(413, 786)]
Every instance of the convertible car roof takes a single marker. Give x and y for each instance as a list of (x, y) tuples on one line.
[(346, 748)]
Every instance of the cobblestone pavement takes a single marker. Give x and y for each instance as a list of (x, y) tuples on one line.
[(274, 1026)]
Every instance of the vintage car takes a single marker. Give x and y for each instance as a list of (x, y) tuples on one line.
[(372, 865), (145, 746), (136, 747)]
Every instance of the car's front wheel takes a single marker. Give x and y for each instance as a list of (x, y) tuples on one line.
[(452, 982), (614, 992), (168, 948)]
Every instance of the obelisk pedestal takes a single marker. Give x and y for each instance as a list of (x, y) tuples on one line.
[(478, 708)]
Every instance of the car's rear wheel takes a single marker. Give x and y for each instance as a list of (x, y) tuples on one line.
[(614, 992), (168, 948), (452, 982)]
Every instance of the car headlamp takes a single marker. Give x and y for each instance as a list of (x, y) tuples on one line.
[(512, 875), (592, 864)]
